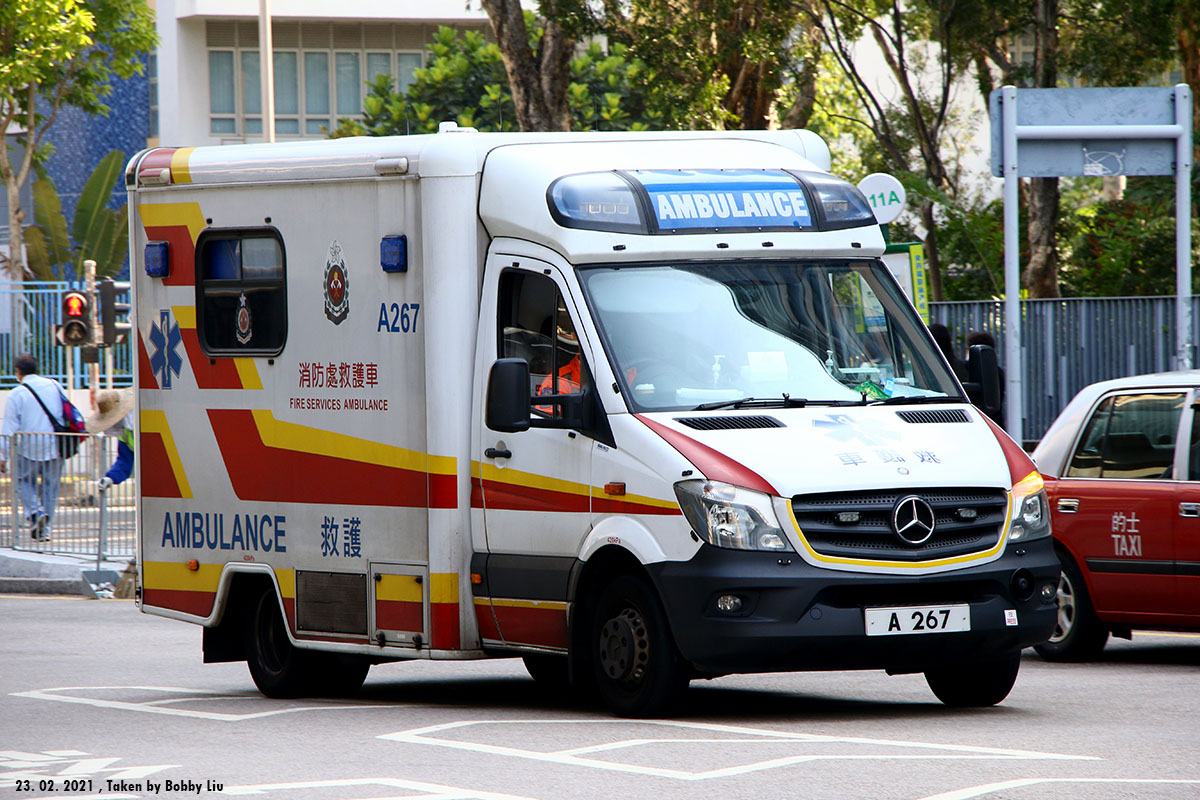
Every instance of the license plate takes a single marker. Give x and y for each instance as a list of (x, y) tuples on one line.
[(917, 619)]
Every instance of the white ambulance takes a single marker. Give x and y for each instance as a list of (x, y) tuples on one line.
[(637, 408)]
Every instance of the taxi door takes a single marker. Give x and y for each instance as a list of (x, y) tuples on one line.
[(1187, 520), (536, 484), (1116, 502)]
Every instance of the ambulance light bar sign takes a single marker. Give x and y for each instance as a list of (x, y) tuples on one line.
[(725, 199)]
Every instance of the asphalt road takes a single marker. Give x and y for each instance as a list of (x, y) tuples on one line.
[(106, 702)]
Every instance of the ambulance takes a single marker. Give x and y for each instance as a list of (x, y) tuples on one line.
[(638, 408)]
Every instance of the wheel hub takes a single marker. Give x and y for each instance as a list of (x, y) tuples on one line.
[(1066, 609), (624, 647)]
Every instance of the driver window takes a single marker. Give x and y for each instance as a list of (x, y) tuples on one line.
[(535, 326), (1130, 436)]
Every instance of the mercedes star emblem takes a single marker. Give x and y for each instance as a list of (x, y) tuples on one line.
[(913, 520)]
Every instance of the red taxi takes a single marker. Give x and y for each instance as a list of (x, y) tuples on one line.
[(1122, 468)]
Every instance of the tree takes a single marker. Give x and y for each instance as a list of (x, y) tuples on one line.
[(56, 53), (538, 69), (98, 233), (466, 81), (911, 131)]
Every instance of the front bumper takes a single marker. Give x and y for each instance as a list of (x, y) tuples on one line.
[(799, 617)]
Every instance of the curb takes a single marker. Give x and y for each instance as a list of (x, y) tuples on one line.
[(43, 586)]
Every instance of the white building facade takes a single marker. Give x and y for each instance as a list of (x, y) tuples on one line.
[(205, 79)]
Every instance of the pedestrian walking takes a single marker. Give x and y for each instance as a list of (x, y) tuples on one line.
[(114, 417), (37, 463)]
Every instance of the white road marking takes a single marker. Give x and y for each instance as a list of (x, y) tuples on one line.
[(429, 791), (1020, 783), (189, 695), (883, 749), (17, 765)]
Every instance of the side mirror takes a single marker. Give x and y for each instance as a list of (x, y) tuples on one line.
[(983, 379), (508, 396)]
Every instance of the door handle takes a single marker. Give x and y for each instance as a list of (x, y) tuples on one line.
[(1189, 509), (1068, 505), (492, 452)]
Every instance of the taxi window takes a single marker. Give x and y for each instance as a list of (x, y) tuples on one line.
[(1130, 436)]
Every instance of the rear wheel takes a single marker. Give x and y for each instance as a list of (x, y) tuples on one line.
[(638, 672), (975, 685), (278, 667), (1079, 635)]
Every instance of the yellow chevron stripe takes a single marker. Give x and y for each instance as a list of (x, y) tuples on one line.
[(514, 477), (402, 588), (163, 214), (248, 373), (180, 172), (154, 421), (176, 575), (185, 316), (443, 587), (303, 439), (546, 605)]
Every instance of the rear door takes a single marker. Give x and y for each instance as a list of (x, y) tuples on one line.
[(1116, 505)]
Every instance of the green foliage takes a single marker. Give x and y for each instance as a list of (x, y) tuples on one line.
[(465, 81), (98, 233), (1125, 247)]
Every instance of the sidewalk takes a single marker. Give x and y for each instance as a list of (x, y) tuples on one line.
[(40, 573)]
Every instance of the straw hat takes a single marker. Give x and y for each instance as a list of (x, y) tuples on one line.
[(111, 408)]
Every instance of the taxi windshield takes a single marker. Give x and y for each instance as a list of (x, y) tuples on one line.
[(697, 335)]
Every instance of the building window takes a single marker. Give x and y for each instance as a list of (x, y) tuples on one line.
[(241, 292), (321, 72), (152, 79)]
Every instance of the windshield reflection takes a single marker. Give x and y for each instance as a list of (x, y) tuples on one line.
[(683, 336)]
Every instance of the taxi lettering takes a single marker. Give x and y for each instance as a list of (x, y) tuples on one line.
[(1127, 545)]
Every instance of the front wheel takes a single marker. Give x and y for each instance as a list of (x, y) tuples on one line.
[(975, 685), (637, 669), (278, 667), (1079, 635)]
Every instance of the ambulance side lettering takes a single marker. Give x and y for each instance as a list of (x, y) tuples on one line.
[(402, 318), (196, 530)]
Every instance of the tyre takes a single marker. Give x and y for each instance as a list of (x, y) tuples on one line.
[(278, 667), (1079, 635), (975, 685), (637, 669)]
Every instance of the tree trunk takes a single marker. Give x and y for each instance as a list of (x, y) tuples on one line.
[(1041, 272), (1189, 53), (539, 83), (933, 262)]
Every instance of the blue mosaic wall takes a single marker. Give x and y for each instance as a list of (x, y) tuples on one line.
[(80, 141)]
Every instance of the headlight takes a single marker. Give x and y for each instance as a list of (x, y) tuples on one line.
[(729, 516), (1031, 510)]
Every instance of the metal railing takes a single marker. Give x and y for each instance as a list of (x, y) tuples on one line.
[(84, 520), (29, 314), (1068, 343)]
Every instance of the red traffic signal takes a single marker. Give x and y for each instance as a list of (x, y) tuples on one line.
[(77, 319)]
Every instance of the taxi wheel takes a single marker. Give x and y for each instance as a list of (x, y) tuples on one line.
[(638, 672), (1078, 635), (278, 667), (975, 685)]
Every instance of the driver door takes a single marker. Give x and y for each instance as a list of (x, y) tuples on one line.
[(536, 484)]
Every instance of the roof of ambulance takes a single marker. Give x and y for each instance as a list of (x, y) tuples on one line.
[(465, 153)]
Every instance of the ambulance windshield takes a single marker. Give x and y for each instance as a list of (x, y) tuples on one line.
[(709, 335)]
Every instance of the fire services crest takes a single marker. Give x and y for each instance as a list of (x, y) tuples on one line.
[(337, 285), (245, 331)]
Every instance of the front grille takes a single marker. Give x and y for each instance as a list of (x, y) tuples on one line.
[(870, 536)]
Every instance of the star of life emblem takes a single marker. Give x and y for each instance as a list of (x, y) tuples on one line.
[(337, 285), (244, 328)]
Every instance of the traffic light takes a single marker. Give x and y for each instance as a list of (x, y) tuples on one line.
[(112, 330), (77, 319)]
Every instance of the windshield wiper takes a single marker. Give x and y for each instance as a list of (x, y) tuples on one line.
[(784, 401), (902, 400)]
